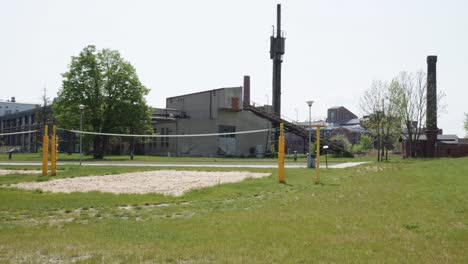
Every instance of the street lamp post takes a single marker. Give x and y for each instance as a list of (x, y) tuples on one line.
[(81, 131), (326, 155), (309, 163)]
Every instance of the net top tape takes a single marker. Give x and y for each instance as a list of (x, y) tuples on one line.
[(18, 133), (167, 136)]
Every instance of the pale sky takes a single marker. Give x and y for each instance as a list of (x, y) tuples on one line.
[(334, 49)]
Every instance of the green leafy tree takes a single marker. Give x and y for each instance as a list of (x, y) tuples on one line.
[(113, 96), (365, 143), (343, 140)]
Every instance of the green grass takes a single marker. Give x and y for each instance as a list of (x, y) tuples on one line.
[(412, 211), (19, 157)]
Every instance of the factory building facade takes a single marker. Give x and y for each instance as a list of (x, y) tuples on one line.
[(208, 112), (9, 107)]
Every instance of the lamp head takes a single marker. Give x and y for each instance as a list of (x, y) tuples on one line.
[(309, 103), (81, 106)]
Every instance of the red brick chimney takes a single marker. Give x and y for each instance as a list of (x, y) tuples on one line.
[(431, 107)]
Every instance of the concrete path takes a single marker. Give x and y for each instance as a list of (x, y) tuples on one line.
[(214, 165)]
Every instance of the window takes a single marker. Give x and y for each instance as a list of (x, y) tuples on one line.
[(165, 140), (227, 129)]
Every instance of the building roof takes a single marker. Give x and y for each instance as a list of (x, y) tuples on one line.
[(335, 107), (217, 89), (354, 121), (444, 139)]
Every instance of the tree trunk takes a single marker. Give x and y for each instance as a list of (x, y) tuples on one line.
[(382, 153), (105, 144), (410, 144), (71, 143), (98, 151)]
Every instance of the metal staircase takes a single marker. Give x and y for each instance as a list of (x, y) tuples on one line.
[(293, 128)]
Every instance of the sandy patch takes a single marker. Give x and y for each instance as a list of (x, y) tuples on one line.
[(169, 182), (4, 172)]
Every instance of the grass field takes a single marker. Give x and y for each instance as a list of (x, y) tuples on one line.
[(18, 157), (403, 211)]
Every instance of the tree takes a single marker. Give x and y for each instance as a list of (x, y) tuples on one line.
[(44, 116), (113, 96), (408, 95), (343, 140), (365, 143), (380, 117)]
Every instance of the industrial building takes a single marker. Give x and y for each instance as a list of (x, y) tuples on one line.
[(9, 107), (213, 111), (20, 117)]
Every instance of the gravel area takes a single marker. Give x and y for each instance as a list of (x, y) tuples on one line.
[(4, 172), (168, 182)]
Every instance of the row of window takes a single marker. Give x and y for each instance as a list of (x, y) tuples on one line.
[(164, 140), (227, 129)]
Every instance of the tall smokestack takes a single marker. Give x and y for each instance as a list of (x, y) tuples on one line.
[(431, 107), (247, 89), (276, 54)]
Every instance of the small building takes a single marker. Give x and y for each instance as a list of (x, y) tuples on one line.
[(446, 146)]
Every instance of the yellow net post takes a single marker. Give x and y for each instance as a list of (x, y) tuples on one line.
[(317, 165), (281, 154), (53, 153), (56, 149), (45, 151)]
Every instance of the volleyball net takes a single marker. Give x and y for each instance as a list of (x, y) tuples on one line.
[(225, 142)]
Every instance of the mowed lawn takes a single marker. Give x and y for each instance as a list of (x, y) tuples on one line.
[(402, 211), (142, 159)]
